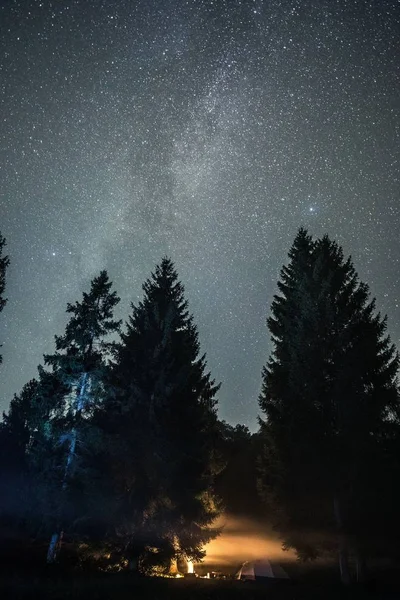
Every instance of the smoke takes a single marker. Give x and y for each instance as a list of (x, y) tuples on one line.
[(244, 539)]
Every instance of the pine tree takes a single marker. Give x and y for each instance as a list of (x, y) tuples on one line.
[(329, 396), (80, 364), (28, 490), (165, 418), (4, 262)]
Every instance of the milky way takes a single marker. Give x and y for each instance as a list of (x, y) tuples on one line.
[(206, 131)]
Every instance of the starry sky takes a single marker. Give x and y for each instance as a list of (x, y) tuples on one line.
[(205, 130)]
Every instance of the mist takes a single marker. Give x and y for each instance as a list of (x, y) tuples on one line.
[(244, 539)]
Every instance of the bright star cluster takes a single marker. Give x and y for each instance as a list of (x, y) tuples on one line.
[(207, 130)]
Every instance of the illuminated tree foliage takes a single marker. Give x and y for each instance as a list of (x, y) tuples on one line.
[(80, 363), (163, 418), (330, 402)]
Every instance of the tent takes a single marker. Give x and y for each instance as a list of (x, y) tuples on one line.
[(260, 570)]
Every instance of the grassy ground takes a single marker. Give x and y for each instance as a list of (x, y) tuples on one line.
[(23, 577), (57, 586)]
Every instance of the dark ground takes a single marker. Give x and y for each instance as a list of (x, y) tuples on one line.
[(23, 576), (52, 585)]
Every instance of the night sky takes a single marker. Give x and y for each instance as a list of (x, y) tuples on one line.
[(208, 131)]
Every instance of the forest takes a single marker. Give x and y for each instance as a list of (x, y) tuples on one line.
[(113, 458)]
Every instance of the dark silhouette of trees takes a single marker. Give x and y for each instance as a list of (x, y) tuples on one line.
[(330, 403), (239, 450), (119, 450), (162, 427), (79, 363)]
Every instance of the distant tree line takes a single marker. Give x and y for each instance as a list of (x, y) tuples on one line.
[(114, 456)]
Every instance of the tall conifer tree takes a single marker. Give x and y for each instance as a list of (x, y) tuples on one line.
[(165, 416), (329, 396), (80, 363)]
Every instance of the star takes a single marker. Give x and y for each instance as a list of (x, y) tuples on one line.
[(205, 131)]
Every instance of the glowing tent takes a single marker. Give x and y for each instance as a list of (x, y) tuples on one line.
[(260, 570)]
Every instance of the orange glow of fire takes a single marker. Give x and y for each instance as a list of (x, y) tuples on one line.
[(190, 566), (244, 539)]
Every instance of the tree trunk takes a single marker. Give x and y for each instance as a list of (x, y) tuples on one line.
[(361, 566), (343, 543), (133, 565), (52, 551), (56, 538), (344, 560), (133, 552), (54, 547)]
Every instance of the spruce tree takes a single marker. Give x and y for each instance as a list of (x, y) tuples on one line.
[(80, 363), (329, 396), (165, 419)]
